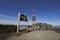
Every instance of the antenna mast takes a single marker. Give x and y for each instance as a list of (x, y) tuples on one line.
[(33, 17)]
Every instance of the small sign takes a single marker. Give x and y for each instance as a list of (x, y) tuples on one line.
[(23, 17)]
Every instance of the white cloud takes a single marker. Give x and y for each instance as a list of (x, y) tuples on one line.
[(49, 22), (13, 22), (4, 19), (5, 16), (8, 22)]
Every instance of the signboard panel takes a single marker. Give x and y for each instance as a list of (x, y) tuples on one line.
[(23, 17)]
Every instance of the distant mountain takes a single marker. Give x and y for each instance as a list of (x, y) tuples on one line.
[(57, 27)]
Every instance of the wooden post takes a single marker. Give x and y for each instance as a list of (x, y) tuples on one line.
[(27, 25), (18, 25)]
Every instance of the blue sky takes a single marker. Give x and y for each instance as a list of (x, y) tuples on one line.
[(46, 11)]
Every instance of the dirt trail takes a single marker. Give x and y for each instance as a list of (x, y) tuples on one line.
[(37, 35)]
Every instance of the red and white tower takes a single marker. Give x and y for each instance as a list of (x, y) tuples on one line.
[(33, 17)]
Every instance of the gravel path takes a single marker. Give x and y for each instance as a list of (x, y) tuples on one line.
[(37, 35)]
